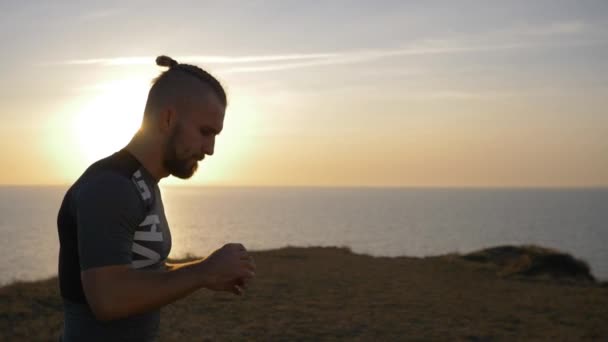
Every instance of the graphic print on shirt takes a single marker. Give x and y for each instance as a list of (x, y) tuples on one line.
[(148, 230), (141, 185)]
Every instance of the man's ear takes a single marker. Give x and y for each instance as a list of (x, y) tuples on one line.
[(168, 119)]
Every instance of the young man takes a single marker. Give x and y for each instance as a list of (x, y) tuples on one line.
[(113, 234)]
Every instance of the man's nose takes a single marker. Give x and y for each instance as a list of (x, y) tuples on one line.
[(208, 146)]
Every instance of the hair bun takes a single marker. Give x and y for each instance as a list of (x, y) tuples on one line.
[(166, 61)]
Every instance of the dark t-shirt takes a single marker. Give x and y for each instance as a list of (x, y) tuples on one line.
[(112, 215)]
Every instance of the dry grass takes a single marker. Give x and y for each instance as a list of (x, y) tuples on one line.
[(332, 294)]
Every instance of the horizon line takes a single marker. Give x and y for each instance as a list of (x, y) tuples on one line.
[(353, 186)]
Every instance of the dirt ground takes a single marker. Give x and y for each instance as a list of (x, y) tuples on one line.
[(333, 294)]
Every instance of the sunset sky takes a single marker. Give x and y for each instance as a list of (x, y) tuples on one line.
[(334, 93)]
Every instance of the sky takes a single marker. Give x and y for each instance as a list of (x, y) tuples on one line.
[(321, 93)]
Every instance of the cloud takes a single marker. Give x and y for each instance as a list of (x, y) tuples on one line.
[(511, 39), (297, 60), (425, 48), (118, 61), (559, 28), (458, 95), (101, 13), (107, 61)]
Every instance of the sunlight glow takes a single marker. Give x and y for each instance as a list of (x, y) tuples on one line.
[(107, 123)]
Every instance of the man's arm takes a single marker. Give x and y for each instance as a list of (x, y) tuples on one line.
[(118, 291), (108, 210), (175, 266)]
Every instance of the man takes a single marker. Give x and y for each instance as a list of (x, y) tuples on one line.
[(113, 234)]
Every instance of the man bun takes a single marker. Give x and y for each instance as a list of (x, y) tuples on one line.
[(166, 61)]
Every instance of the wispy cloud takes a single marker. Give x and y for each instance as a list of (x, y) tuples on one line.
[(301, 60), (428, 48), (292, 61), (458, 95), (558, 28), (101, 13), (118, 61), (510, 39)]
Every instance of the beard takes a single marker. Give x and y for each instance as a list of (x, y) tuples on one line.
[(182, 168)]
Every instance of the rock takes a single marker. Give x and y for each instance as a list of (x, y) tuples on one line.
[(533, 261)]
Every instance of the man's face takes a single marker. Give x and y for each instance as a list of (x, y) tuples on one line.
[(193, 135)]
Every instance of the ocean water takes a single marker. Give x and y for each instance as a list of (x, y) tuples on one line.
[(375, 221)]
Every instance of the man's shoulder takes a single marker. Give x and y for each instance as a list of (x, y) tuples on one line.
[(120, 164), (105, 186), (119, 177), (112, 176), (109, 179)]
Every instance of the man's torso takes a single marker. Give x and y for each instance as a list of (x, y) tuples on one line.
[(112, 215)]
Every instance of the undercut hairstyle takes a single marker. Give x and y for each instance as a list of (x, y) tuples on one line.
[(191, 70), (175, 83)]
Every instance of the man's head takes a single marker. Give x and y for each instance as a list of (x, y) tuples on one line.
[(185, 111)]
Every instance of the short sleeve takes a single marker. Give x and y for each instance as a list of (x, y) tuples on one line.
[(108, 210)]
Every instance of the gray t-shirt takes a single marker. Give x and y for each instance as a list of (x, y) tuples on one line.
[(112, 215)]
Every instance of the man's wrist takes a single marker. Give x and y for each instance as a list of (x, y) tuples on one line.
[(200, 272)]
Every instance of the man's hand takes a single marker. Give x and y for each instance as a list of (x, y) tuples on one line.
[(228, 269)]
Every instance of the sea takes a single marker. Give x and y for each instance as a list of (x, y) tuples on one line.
[(375, 221)]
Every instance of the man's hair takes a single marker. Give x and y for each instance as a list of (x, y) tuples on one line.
[(174, 86), (192, 70)]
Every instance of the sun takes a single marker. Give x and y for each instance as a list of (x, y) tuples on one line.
[(107, 122)]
